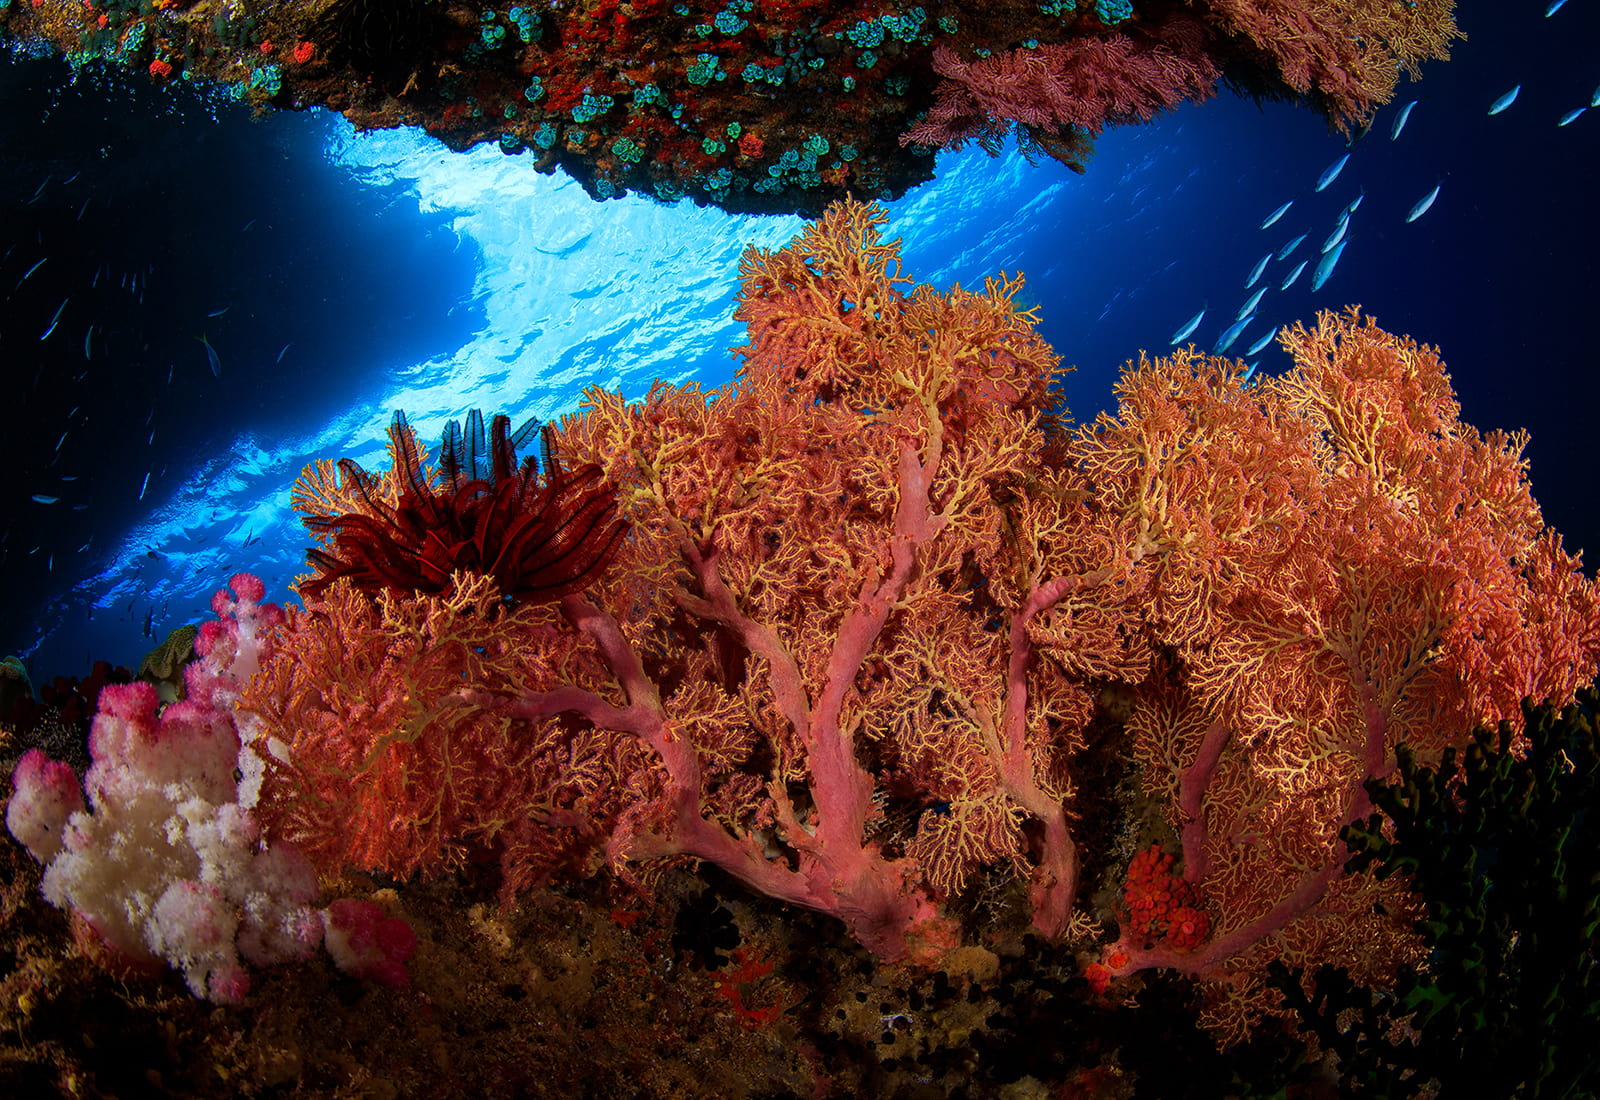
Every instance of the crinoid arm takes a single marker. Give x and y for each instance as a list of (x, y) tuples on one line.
[(541, 531)]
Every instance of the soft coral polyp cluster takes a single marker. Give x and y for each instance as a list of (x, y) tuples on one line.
[(1161, 905)]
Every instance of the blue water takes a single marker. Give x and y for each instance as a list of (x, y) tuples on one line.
[(341, 276)]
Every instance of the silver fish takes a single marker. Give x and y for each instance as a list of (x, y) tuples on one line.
[(1423, 203), (1325, 268), (1331, 173), (1231, 334), (1263, 342), (30, 271), (212, 359), (1276, 214), (1400, 121), (56, 320), (1188, 327), (1337, 235), (1255, 272), (1504, 101)]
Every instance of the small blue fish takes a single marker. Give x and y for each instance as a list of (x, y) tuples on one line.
[(1250, 304), (1354, 203), (1290, 247), (286, 347), (1571, 115), (1188, 327), (1261, 343), (30, 271), (1276, 214), (1555, 6), (145, 485), (212, 359), (219, 312), (1337, 235), (1331, 173), (56, 320), (87, 337), (1293, 275), (1255, 272), (1325, 267), (1594, 100), (42, 499), (1504, 101), (1231, 334), (1244, 379), (1423, 204), (1400, 121)]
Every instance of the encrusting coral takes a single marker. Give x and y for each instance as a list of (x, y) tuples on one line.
[(779, 106)]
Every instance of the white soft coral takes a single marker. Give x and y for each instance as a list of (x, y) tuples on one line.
[(167, 861)]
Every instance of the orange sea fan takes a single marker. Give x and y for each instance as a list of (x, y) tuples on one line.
[(388, 765)]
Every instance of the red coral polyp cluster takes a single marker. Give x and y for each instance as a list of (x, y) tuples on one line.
[(1099, 974), (541, 536), (1161, 905)]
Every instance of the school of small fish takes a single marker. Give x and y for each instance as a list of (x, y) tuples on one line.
[(1339, 235)]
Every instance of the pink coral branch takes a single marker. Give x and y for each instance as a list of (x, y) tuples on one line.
[(1055, 879), (1191, 800), (838, 873), (1308, 892), (842, 787)]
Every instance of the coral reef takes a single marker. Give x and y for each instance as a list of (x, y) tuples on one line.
[(850, 650), (905, 722), (778, 105)]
